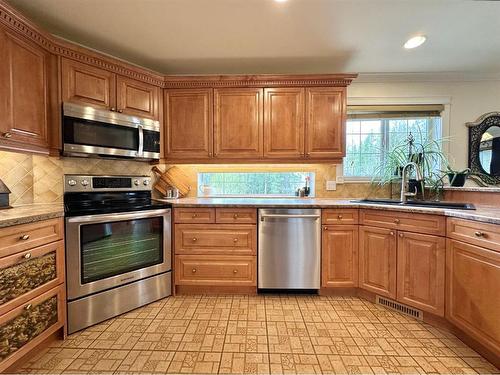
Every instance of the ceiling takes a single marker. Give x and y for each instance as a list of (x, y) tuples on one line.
[(298, 36)]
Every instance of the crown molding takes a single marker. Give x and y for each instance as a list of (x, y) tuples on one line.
[(428, 77)]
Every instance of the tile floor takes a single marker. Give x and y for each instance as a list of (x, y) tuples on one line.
[(261, 334)]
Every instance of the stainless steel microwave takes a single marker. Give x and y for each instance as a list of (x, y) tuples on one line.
[(88, 131)]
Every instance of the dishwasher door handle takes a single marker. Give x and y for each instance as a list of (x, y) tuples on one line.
[(285, 216)]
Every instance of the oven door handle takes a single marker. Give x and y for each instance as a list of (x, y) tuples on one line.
[(120, 216)]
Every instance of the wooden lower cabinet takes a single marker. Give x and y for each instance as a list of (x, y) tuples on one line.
[(421, 271), (377, 261), (339, 265), (215, 270), (473, 298), (28, 325)]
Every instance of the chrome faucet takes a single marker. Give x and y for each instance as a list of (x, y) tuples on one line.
[(404, 182)]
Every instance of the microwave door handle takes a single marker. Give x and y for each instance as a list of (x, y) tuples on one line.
[(140, 153)]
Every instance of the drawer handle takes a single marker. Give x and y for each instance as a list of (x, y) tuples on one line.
[(235, 271), (25, 237), (193, 270), (194, 239), (479, 234), (235, 216), (392, 233), (194, 216), (27, 256), (397, 221), (7, 135), (235, 240), (28, 306), (339, 217)]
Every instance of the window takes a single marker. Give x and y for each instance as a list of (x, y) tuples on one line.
[(254, 183), (370, 136)]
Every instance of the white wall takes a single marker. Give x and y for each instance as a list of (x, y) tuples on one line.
[(465, 100)]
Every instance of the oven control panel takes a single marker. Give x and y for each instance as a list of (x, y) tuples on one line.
[(78, 183)]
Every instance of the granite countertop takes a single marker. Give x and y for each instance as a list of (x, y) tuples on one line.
[(482, 213), (30, 213)]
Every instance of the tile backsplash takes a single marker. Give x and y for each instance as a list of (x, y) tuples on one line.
[(39, 178)]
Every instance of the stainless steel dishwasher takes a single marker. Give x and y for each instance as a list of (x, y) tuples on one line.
[(289, 248)]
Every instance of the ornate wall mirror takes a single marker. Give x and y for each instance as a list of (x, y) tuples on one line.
[(484, 147)]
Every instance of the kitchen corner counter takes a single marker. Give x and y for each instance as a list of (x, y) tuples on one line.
[(486, 214), (30, 213)]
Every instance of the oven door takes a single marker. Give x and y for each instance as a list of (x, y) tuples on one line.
[(105, 251)]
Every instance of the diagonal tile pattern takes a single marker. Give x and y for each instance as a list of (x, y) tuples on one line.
[(279, 334)]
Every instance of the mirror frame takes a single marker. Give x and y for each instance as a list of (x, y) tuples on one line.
[(476, 131)]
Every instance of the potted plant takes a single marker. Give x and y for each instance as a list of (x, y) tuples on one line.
[(457, 178)]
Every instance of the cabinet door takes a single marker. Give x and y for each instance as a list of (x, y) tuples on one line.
[(238, 123), (325, 122), (137, 98), (188, 123), (85, 84), (472, 297), (421, 268), (24, 92), (377, 261), (284, 123), (340, 256)]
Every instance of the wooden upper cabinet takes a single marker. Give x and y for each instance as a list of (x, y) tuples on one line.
[(339, 256), (137, 98), (24, 94), (238, 123), (421, 271), (85, 84), (325, 122), (188, 123), (284, 122), (377, 261), (473, 301)]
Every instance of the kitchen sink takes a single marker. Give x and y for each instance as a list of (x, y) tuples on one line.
[(430, 204)]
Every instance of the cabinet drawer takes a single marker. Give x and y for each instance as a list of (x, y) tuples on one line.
[(27, 236), (340, 216), (476, 233), (236, 215), (215, 270), (215, 239), (28, 325), (194, 215), (30, 273), (406, 221)]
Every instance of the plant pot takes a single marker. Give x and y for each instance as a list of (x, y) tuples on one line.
[(457, 179), (414, 185)]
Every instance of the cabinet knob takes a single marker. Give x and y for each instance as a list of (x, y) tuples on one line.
[(193, 270), (235, 240), (401, 235), (339, 217), (112, 109), (479, 234), (28, 306), (209, 154), (235, 216), (25, 237), (120, 111), (235, 271), (392, 233), (397, 221), (7, 135), (27, 256), (194, 216), (325, 228), (194, 239)]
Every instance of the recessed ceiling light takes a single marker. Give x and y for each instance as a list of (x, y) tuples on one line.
[(415, 42), (281, 1)]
